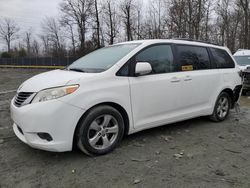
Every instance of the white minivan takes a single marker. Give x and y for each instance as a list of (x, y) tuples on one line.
[(122, 89)]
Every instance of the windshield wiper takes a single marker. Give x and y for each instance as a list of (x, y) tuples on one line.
[(75, 69)]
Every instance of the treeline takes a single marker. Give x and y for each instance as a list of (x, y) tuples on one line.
[(84, 25)]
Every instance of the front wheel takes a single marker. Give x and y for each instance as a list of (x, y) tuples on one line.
[(222, 107), (100, 131)]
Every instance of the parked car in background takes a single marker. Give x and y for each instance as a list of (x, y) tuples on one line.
[(242, 58), (122, 89)]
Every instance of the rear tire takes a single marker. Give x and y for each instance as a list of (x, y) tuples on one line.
[(222, 107), (100, 131)]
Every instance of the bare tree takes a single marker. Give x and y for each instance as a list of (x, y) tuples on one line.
[(207, 13), (127, 8), (97, 24), (51, 29), (46, 45), (223, 19), (27, 40), (156, 12), (138, 30), (8, 31), (177, 18), (35, 48), (69, 33), (111, 20), (244, 4), (88, 24), (79, 13), (189, 18)]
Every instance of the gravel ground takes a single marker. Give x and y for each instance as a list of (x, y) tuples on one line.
[(194, 153)]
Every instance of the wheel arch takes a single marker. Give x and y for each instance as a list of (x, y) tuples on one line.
[(112, 104), (230, 92)]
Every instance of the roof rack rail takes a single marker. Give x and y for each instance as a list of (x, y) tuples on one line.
[(194, 40)]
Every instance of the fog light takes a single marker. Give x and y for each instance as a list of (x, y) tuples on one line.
[(45, 136)]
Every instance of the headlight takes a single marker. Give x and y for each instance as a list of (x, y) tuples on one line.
[(54, 93)]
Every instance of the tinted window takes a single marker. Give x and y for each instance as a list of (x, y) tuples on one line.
[(222, 59), (124, 71), (160, 57), (193, 57)]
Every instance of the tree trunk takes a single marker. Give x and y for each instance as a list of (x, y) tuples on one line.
[(111, 40), (97, 25), (197, 25)]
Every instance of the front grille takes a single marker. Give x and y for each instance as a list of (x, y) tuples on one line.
[(21, 98)]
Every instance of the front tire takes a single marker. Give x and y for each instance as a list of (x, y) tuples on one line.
[(222, 107), (100, 131)]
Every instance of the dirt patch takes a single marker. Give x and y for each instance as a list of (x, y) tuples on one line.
[(245, 101)]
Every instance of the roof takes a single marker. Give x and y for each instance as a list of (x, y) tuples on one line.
[(242, 52), (174, 41)]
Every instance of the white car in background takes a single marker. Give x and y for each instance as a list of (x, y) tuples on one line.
[(122, 89), (242, 58)]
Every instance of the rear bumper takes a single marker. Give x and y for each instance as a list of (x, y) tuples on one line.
[(236, 93), (56, 118)]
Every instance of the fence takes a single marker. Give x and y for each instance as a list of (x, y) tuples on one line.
[(36, 62)]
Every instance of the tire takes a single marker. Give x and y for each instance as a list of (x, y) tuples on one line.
[(222, 107), (100, 130)]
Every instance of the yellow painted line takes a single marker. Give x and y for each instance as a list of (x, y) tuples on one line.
[(6, 92), (32, 66)]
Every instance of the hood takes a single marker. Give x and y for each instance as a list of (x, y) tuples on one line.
[(243, 68), (51, 79), (247, 70)]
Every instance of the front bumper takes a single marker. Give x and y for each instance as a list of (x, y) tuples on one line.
[(54, 117), (246, 86)]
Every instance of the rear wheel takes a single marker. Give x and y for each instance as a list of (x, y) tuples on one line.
[(100, 131), (222, 107)]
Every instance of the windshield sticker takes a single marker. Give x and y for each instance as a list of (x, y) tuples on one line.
[(187, 68)]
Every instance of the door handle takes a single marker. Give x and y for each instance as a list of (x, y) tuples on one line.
[(175, 80), (187, 78)]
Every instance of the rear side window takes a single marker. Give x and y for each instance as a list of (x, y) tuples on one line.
[(193, 57), (160, 58), (222, 59)]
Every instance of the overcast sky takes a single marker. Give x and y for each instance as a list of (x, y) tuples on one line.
[(28, 13)]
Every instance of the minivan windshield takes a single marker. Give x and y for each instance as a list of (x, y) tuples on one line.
[(242, 60), (102, 59)]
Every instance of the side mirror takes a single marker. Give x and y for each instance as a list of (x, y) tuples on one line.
[(142, 68)]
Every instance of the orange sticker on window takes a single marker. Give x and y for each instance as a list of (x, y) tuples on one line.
[(187, 68)]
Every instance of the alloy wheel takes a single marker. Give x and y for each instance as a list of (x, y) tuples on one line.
[(103, 132), (223, 107)]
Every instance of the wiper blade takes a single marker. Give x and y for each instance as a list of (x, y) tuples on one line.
[(76, 69)]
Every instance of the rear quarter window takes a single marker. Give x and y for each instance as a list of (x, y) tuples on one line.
[(221, 58)]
